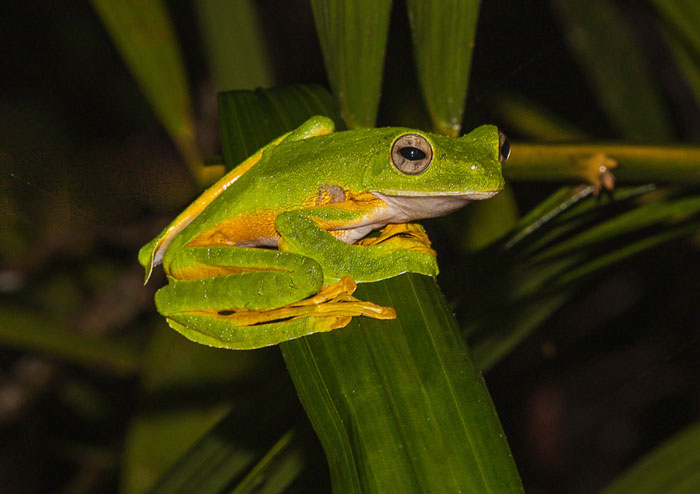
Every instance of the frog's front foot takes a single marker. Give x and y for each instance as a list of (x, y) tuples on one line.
[(333, 307), (402, 236)]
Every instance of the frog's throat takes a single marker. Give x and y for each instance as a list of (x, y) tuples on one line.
[(396, 209), (414, 206)]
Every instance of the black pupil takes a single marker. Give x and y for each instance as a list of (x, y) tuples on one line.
[(411, 153)]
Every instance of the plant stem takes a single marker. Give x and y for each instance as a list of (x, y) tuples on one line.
[(574, 162)]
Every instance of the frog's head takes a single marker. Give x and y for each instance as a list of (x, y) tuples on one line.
[(429, 175)]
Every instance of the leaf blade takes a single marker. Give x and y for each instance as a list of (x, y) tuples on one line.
[(353, 40), (143, 34), (443, 41)]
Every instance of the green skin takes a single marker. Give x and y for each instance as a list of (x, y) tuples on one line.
[(284, 186)]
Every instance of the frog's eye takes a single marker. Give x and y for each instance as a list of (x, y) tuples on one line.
[(411, 154), (503, 147)]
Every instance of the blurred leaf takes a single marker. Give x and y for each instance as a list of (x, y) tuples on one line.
[(682, 18), (484, 222), (672, 468), (247, 119), (353, 39), (275, 471), (443, 40), (30, 331), (248, 448), (620, 77), (234, 44), (688, 63), (187, 389), (533, 120), (143, 34), (568, 240), (634, 220)]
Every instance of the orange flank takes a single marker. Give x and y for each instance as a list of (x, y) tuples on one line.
[(258, 228), (246, 229), (203, 201)]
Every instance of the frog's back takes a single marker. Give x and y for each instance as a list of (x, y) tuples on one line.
[(244, 213)]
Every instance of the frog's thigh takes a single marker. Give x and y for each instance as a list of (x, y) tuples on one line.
[(221, 278), (301, 234)]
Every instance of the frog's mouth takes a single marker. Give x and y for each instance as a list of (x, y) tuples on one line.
[(413, 205)]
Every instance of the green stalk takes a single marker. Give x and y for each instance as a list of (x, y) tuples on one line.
[(575, 162), (399, 406)]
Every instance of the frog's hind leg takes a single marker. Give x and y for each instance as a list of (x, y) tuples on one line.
[(332, 308), (236, 297)]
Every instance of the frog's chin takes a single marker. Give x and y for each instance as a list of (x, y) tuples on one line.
[(415, 206)]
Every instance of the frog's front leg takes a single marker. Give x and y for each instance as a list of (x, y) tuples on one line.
[(238, 297), (399, 249)]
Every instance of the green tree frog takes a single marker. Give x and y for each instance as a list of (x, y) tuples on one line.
[(273, 250)]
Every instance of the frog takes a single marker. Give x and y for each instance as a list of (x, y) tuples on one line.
[(274, 250)]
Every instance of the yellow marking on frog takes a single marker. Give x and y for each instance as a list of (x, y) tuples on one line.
[(334, 304), (250, 229), (201, 203), (402, 236), (208, 271), (362, 198), (365, 203)]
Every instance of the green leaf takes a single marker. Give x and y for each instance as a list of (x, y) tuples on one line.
[(143, 34), (672, 468), (398, 405), (443, 41), (621, 77), (234, 44), (250, 119), (353, 40)]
